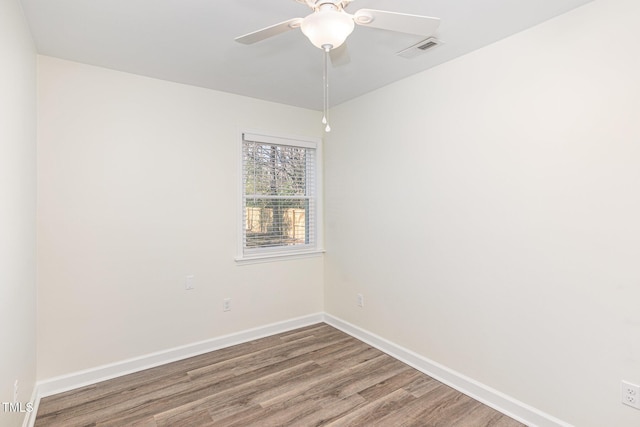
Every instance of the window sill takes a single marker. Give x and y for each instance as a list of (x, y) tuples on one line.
[(281, 256)]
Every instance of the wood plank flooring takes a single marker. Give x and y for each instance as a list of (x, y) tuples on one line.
[(313, 376)]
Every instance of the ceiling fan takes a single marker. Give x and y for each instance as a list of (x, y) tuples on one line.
[(329, 26)]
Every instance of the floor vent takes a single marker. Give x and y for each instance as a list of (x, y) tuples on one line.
[(419, 48)]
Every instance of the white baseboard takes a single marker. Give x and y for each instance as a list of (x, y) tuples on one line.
[(490, 397), (94, 375), (499, 401)]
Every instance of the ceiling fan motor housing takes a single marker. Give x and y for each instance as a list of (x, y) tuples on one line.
[(317, 4)]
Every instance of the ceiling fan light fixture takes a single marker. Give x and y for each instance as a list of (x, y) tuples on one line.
[(327, 28)]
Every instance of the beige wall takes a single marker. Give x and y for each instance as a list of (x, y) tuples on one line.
[(138, 189), (488, 210), (17, 209)]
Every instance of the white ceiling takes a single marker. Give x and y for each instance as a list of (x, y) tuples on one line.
[(192, 41)]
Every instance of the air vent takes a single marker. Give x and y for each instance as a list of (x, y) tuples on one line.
[(419, 48), (428, 45)]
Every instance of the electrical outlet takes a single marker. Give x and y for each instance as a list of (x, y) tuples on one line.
[(226, 304), (631, 394), (360, 300)]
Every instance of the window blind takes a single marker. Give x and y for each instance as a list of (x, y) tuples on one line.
[(279, 191)]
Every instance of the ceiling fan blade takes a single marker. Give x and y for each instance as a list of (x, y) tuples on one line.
[(400, 22), (340, 55), (271, 31)]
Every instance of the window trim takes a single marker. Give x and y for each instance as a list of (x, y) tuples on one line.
[(278, 254)]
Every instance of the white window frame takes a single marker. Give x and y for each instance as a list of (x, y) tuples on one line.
[(280, 252)]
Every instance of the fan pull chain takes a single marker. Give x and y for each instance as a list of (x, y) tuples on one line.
[(325, 83)]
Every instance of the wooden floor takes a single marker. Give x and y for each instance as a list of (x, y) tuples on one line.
[(314, 376)]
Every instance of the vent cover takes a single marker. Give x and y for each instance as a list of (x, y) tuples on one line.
[(419, 48)]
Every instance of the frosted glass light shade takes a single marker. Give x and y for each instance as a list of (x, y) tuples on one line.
[(327, 28)]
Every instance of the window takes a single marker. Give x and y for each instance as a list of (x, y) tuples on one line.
[(280, 201)]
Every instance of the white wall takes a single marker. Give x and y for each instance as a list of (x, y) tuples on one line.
[(489, 212), (137, 189), (17, 208)]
